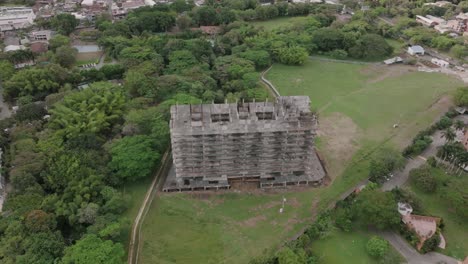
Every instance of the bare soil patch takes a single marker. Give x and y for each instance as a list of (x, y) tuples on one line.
[(378, 73), (251, 222), (340, 135)]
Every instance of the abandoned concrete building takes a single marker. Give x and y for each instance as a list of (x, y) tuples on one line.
[(257, 144)]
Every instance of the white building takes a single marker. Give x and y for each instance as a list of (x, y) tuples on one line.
[(13, 48), (440, 63), (12, 18), (42, 35), (416, 50)]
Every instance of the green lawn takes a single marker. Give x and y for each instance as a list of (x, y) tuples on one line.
[(277, 22), (350, 248), (374, 97), (233, 228), (456, 229)]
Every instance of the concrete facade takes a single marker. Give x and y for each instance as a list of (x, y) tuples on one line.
[(12, 18), (263, 144)]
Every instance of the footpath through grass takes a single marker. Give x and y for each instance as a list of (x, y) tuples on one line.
[(235, 227), (456, 228)]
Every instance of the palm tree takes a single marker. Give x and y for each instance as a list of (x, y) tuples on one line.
[(449, 134), (459, 125)]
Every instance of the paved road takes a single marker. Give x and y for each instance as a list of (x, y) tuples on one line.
[(401, 177), (411, 255)]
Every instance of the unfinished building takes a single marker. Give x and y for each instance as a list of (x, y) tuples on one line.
[(257, 144)]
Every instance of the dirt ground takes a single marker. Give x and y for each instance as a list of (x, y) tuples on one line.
[(382, 72), (340, 135)]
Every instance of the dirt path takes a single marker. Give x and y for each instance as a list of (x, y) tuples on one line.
[(156, 184)]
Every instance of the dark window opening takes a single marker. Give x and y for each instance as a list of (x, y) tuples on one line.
[(212, 182), (264, 115), (220, 118), (298, 173), (186, 182)]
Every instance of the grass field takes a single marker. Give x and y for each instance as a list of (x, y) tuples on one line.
[(358, 107), (456, 229), (349, 248)]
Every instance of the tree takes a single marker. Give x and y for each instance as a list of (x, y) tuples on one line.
[(294, 55), (370, 46), (134, 157), (377, 208), (41, 248), (30, 112), (65, 56), (181, 60), (64, 23), (205, 16), (442, 42), (37, 81), (150, 19), (228, 68), (261, 58), (461, 96), (91, 249), (422, 178), (328, 39), (377, 247), (58, 41), (431, 244), (94, 110), (184, 22), (112, 71), (384, 162), (287, 256), (459, 51), (449, 134), (181, 6), (6, 70), (459, 125)]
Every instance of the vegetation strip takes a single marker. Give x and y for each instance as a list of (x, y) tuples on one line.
[(135, 237)]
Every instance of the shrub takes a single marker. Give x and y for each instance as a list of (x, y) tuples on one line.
[(444, 122), (432, 162), (321, 227), (377, 247), (431, 244), (338, 54)]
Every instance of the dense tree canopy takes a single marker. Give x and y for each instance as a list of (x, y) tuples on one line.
[(377, 208), (38, 81), (91, 249), (64, 23), (91, 110)]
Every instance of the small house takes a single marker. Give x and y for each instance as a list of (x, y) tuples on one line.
[(393, 60), (440, 63), (416, 50)]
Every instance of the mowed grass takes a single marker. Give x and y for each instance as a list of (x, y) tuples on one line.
[(375, 97), (456, 229), (235, 227), (232, 227), (350, 248)]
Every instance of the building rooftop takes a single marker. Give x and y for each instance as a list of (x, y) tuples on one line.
[(285, 113), (417, 48)]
